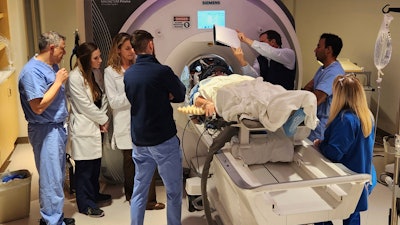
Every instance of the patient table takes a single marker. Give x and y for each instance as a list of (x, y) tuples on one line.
[(308, 189)]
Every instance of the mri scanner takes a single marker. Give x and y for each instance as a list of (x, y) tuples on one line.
[(308, 189), (181, 37)]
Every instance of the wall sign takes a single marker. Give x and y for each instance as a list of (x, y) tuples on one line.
[(181, 22)]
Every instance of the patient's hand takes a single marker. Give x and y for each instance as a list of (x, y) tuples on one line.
[(206, 105), (209, 108)]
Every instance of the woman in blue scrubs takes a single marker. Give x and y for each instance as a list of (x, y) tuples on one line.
[(349, 136)]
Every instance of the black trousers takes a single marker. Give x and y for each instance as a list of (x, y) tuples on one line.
[(129, 174), (87, 188)]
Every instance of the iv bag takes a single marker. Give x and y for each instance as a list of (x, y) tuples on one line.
[(383, 45)]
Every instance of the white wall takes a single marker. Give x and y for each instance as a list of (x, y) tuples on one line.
[(19, 46), (60, 16), (357, 22)]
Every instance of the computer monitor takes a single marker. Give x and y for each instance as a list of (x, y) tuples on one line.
[(207, 18)]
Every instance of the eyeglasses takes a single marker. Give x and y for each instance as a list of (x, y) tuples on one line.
[(350, 76)]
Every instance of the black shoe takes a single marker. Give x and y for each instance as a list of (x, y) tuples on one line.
[(103, 198), (67, 221), (94, 212)]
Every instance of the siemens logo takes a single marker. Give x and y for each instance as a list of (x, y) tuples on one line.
[(211, 2)]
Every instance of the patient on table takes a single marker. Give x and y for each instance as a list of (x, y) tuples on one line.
[(237, 97), (251, 101)]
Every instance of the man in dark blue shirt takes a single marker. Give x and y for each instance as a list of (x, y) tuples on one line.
[(150, 87)]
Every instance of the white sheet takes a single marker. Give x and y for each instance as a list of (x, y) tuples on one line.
[(238, 95)]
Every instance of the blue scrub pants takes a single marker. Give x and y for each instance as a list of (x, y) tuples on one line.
[(49, 143), (167, 157)]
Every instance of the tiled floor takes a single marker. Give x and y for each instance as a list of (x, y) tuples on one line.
[(118, 212)]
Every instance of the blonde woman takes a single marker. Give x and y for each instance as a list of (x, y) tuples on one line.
[(121, 57), (349, 136)]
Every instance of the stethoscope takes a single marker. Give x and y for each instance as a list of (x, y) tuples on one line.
[(75, 48)]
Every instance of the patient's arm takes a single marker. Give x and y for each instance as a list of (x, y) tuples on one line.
[(207, 105)]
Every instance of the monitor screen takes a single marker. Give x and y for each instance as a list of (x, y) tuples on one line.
[(207, 18)]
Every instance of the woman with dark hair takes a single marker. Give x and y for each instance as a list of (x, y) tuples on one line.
[(88, 119)]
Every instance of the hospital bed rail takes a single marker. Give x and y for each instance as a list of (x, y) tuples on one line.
[(300, 199)]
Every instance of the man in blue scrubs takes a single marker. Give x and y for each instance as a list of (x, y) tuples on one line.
[(328, 48), (41, 87)]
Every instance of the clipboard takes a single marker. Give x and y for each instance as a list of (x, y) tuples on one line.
[(225, 36)]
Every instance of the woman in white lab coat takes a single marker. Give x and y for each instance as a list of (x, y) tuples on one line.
[(88, 119), (120, 58)]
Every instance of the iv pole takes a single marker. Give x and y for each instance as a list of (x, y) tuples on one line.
[(387, 9), (396, 185), (393, 214)]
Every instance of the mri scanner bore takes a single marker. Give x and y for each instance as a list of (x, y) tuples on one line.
[(203, 67)]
